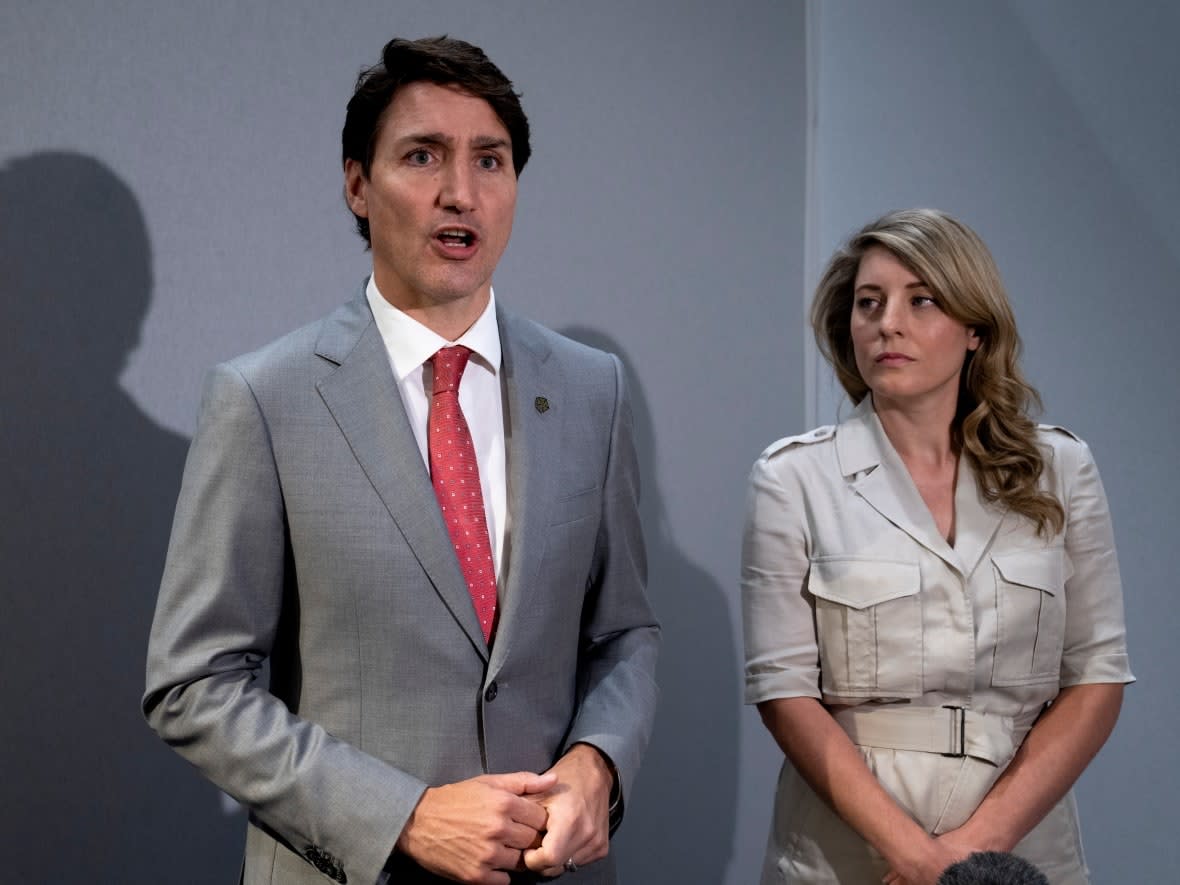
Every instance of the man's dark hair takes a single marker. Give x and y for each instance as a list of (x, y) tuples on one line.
[(441, 60)]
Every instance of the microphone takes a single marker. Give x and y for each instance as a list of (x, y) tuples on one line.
[(992, 868)]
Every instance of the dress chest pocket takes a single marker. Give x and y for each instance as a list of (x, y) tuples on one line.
[(1030, 616), (868, 615)]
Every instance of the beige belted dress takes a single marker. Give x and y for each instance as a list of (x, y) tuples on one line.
[(920, 649)]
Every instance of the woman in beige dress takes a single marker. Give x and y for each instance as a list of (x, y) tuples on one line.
[(931, 597)]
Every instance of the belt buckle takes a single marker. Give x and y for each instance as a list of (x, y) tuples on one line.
[(962, 718)]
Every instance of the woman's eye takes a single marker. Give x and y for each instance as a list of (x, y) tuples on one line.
[(923, 301), (866, 303)]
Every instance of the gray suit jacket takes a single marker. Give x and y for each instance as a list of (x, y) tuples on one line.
[(307, 535)]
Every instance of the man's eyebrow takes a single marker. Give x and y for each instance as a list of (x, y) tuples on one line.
[(481, 142), (426, 138), (487, 142)]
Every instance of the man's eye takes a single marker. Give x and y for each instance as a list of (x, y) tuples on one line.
[(489, 163), (419, 158)]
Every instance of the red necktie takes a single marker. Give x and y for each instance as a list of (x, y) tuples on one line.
[(454, 474)]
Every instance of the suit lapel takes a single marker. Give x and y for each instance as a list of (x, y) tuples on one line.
[(880, 477), (976, 521), (363, 399), (531, 440)]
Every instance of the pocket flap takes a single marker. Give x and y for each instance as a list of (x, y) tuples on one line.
[(1039, 569), (859, 583)]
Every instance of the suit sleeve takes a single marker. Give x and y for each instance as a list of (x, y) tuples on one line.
[(217, 619), (620, 635)]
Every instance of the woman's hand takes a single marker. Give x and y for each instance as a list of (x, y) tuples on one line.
[(949, 848), (966, 840)]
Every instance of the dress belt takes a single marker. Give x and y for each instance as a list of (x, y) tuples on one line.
[(949, 731)]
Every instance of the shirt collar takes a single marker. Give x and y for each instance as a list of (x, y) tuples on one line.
[(860, 439), (410, 344)]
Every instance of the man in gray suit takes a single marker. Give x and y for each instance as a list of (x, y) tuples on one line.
[(422, 511)]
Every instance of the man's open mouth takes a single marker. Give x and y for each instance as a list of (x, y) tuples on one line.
[(455, 237)]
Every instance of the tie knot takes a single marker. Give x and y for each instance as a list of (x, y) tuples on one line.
[(449, 363)]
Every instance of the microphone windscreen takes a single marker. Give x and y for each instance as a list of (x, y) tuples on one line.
[(992, 868)]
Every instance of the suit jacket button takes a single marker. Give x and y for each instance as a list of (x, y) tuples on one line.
[(490, 694)]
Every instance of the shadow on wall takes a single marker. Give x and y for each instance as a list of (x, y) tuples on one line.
[(88, 483), (679, 824)]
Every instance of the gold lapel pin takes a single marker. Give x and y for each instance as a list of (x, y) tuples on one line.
[(542, 404)]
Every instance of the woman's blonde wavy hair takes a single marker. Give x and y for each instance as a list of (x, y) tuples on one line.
[(992, 426)]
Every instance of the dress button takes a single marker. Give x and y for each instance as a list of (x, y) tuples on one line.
[(490, 694)]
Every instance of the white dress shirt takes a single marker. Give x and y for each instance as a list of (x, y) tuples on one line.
[(410, 346)]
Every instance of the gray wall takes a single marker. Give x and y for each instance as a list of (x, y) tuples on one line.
[(1052, 127), (170, 196)]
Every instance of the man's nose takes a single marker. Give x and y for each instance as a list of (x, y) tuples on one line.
[(457, 187)]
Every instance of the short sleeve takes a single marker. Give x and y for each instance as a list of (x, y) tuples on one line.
[(1095, 648), (782, 653)]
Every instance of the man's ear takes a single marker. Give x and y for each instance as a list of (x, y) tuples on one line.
[(355, 188)]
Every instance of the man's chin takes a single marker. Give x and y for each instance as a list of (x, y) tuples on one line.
[(457, 297), (453, 295)]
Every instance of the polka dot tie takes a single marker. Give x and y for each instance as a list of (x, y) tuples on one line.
[(455, 476)]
